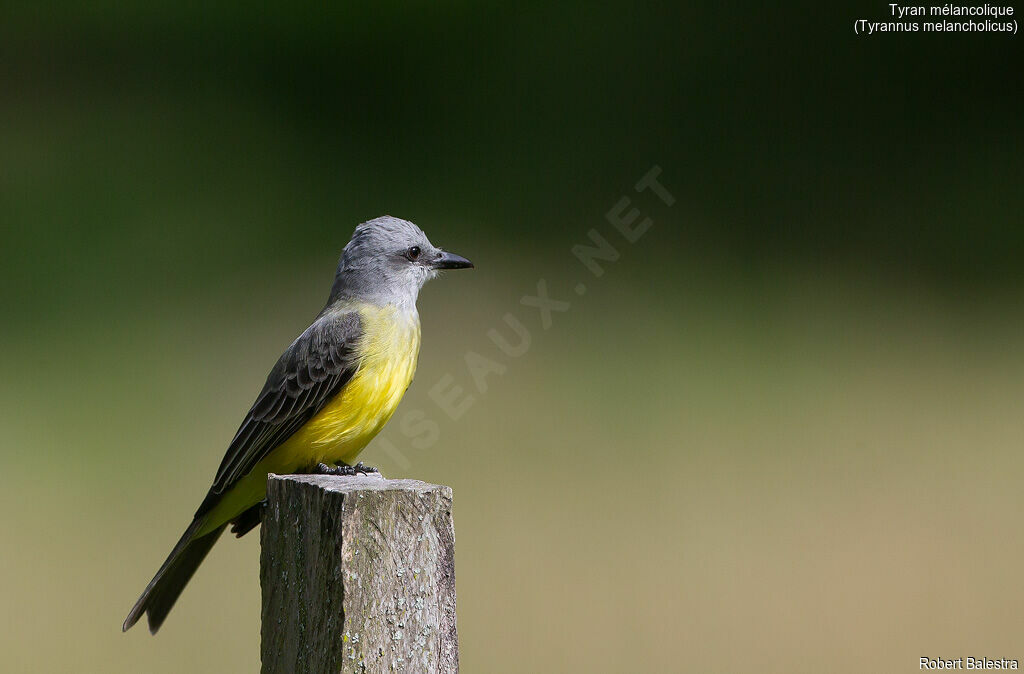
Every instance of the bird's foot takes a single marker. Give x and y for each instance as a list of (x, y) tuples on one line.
[(346, 470)]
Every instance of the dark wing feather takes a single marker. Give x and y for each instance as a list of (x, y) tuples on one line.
[(311, 372)]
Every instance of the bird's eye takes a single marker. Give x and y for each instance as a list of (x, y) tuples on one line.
[(414, 252)]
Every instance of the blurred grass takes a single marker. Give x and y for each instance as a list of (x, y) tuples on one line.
[(813, 478)]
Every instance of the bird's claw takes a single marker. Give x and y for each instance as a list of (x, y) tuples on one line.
[(346, 470), (365, 470)]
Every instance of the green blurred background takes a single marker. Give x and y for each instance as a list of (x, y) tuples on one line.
[(781, 433)]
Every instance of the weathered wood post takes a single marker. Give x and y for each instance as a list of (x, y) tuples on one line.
[(358, 575)]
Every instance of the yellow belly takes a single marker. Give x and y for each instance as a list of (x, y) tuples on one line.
[(389, 350)]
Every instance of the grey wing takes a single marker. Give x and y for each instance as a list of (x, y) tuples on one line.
[(311, 372)]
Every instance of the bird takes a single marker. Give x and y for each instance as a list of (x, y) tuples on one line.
[(331, 391)]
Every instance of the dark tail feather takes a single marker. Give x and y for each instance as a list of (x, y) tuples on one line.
[(161, 593)]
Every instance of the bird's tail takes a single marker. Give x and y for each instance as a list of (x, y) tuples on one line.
[(161, 593)]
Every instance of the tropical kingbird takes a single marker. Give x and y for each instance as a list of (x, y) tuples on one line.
[(330, 392)]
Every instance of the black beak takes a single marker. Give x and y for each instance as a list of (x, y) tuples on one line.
[(451, 261)]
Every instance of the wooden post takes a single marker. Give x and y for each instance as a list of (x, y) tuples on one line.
[(358, 575)]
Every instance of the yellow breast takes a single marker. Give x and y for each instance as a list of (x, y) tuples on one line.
[(388, 349)]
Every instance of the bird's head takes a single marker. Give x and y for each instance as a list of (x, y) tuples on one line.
[(388, 260)]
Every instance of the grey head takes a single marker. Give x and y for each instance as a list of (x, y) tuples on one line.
[(387, 261)]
